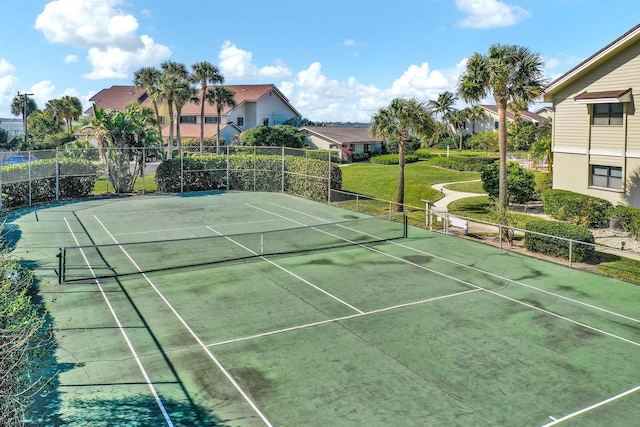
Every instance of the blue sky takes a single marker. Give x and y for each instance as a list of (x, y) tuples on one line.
[(334, 60)]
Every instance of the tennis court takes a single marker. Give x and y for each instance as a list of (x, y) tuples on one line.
[(302, 313)]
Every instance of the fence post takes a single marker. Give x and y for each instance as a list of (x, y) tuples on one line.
[(329, 176), (57, 174), (282, 170), (228, 174), (0, 186), (570, 253), (500, 234)]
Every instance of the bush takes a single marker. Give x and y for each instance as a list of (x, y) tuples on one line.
[(77, 179), (393, 159), (461, 163), (248, 172), (577, 208), (544, 181), (629, 219), (559, 246), (520, 182)]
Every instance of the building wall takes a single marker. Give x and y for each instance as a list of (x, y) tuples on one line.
[(273, 108), (577, 144)]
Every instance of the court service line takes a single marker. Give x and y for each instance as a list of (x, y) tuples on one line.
[(147, 379), (592, 407), (213, 358), (165, 230), (339, 319), (592, 328), (302, 279), (488, 273)]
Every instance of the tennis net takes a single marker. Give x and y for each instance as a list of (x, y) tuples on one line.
[(118, 259)]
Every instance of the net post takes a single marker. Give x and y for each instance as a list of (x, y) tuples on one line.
[(60, 267), (405, 220)]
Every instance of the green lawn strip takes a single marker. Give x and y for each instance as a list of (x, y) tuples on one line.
[(467, 187), (148, 183), (381, 181)]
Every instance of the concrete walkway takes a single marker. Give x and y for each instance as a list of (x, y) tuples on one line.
[(450, 195)]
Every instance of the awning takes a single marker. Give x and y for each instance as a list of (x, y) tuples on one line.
[(605, 97)]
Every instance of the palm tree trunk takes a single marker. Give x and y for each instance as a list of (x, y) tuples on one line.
[(170, 144), (218, 136), (155, 108), (204, 91), (178, 114), (503, 199), (400, 194)]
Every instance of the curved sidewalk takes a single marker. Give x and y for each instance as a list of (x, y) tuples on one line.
[(451, 195)]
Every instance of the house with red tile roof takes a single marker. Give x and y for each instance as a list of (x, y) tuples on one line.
[(596, 129), (260, 104)]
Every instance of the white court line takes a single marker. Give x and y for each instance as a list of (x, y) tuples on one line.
[(192, 333), (288, 272), (592, 407), (339, 319), (124, 334), (575, 322), (488, 273), (165, 230)]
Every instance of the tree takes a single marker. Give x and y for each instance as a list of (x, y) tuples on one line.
[(541, 147), (149, 79), (517, 107), (123, 137), (22, 105), (273, 136), (184, 93), (442, 106), (521, 182), (172, 76), (222, 97), (71, 110), (475, 113), (205, 73), (458, 118), (401, 119), (41, 125), (509, 72), (55, 110)]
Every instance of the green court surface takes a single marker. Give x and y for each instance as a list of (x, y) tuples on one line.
[(372, 329)]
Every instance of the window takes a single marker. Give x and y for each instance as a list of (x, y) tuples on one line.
[(495, 125), (211, 120), (162, 120), (240, 121), (606, 176), (607, 114), (265, 121), (187, 119)]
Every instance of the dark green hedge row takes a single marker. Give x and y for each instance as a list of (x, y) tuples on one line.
[(77, 179), (559, 247), (461, 163), (248, 172), (577, 208), (629, 219), (394, 159)]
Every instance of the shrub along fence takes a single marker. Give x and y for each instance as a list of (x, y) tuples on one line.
[(59, 174)]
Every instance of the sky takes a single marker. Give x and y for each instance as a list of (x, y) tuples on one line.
[(336, 61)]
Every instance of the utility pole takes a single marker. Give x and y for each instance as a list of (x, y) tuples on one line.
[(24, 115)]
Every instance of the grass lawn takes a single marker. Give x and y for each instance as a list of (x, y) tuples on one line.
[(381, 181), (148, 184), (467, 187)]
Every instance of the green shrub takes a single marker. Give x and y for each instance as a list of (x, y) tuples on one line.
[(559, 246), (629, 219), (38, 179), (425, 153), (577, 208), (393, 159), (544, 181), (461, 163), (520, 182), (248, 172)]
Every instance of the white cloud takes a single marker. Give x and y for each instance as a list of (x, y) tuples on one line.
[(69, 59), (237, 63), (108, 33), (350, 43), (8, 82), (486, 14), (43, 91)]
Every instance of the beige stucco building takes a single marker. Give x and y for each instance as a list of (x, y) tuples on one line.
[(596, 129)]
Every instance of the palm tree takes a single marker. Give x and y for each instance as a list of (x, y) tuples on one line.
[(401, 119), (149, 79), (172, 76), (24, 106), (222, 97), (54, 109), (184, 93), (509, 72), (442, 106), (71, 110), (517, 106), (541, 147), (474, 114), (205, 73), (458, 118)]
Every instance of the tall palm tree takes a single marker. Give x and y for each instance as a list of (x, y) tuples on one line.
[(509, 72), (222, 97), (184, 93), (149, 79), (205, 73), (458, 118), (54, 109), (401, 119), (442, 106), (24, 106), (516, 106), (172, 76), (71, 110)]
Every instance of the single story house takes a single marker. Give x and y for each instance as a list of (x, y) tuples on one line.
[(347, 140), (489, 123)]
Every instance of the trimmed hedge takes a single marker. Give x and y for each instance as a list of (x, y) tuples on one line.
[(394, 159), (462, 163), (248, 172), (77, 179), (559, 247), (577, 208)]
